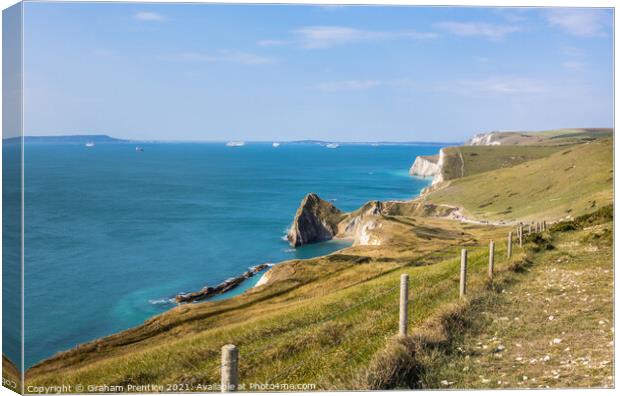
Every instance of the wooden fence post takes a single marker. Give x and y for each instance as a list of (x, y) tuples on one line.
[(491, 258), (509, 253), (529, 229), (463, 284), (404, 305), (520, 235), (230, 368)]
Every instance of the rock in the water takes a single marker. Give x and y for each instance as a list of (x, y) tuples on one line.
[(316, 220)]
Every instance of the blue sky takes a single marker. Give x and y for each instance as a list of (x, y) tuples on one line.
[(265, 72)]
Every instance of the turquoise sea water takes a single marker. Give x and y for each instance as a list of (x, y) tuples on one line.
[(112, 233)]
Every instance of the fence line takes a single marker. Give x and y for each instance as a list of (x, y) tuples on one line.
[(491, 258), (230, 353), (404, 305), (463, 282)]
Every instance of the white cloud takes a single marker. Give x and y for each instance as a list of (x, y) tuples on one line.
[(331, 36), (572, 51), (501, 85), (148, 16), (513, 15), (348, 85), (573, 65), (271, 43), (222, 56), (487, 30), (581, 22)]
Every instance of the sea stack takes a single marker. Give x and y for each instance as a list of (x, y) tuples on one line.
[(316, 220)]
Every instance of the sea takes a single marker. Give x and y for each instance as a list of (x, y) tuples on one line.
[(112, 234)]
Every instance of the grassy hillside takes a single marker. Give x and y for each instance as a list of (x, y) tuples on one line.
[(570, 181), (470, 160)]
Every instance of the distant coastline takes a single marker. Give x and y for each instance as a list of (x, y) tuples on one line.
[(105, 139)]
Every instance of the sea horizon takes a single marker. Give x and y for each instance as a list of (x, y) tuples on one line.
[(114, 140)]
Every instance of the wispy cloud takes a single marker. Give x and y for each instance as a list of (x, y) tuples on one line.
[(572, 51), (472, 29), (149, 16), (331, 36), (579, 21), (501, 85), (348, 85), (271, 43), (573, 65), (513, 15), (221, 56)]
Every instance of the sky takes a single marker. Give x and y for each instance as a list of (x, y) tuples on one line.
[(288, 72)]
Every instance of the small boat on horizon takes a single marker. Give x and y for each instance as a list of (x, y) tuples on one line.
[(275, 144), (235, 143), (332, 145), (139, 148), (90, 144)]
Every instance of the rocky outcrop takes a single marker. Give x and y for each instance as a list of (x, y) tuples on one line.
[(425, 165), (363, 224), (316, 220), (223, 287)]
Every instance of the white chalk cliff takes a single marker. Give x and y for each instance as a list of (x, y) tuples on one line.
[(484, 139), (430, 165), (440, 163), (425, 165)]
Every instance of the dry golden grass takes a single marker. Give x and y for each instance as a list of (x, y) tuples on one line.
[(11, 378)]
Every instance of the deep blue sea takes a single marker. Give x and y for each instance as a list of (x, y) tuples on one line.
[(112, 233)]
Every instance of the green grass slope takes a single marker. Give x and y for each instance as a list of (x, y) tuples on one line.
[(573, 180), (465, 161)]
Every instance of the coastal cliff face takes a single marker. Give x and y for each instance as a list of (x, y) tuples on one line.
[(316, 220), (433, 165), (425, 166)]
